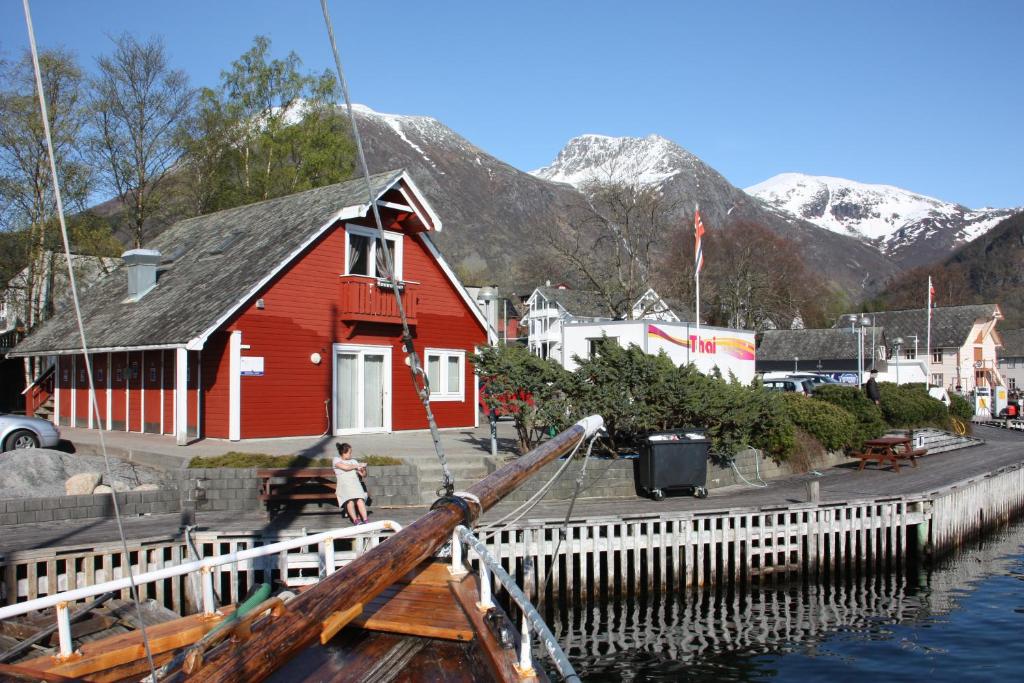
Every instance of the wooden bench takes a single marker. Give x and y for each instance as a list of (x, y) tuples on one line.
[(281, 486), (889, 449)]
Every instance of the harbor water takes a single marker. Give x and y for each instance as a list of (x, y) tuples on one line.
[(960, 621)]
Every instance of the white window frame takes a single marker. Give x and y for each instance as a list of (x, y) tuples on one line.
[(361, 350), (371, 233), (442, 393)]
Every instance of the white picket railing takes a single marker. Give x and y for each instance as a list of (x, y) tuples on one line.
[(63, 601)]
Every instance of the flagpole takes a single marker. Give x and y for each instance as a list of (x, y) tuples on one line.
[(697, 264), (928, 342)]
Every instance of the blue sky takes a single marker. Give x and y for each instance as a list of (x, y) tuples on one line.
[(925, 95)]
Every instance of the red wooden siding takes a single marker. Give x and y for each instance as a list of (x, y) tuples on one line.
[(134, 393), (118, 400), (215, 385), (99, 375), (81, 384), (63, 387), (168, 363), (301, 317), (151, 383)]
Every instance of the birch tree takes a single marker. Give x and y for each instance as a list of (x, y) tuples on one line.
[(138, 102)]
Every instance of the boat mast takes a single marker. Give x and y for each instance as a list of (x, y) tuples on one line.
[(343, 594)]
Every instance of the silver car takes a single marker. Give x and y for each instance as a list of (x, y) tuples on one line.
[(20, 431)]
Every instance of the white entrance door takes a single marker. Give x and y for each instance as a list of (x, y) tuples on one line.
[(362, 389)]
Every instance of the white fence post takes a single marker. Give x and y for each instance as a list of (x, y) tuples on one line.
[(64, 630)]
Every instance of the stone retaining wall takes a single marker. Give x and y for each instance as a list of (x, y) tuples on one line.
[(59, 508), (196, 490)]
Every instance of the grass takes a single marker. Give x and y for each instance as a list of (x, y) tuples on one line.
[(240, 459)]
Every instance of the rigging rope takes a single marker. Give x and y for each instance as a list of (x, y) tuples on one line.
[(81, 328), (420, 380)]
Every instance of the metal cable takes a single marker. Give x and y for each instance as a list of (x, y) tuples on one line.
[(420, 381), (81, 329), (563, 530)]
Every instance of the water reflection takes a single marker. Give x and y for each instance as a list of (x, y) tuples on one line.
[(914, 624)]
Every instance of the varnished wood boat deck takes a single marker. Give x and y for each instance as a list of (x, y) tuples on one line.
[(1002, 448)]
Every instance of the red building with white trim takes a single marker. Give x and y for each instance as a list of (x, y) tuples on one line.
[(269, 320)]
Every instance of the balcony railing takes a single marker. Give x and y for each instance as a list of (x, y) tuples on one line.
[(373, 300)]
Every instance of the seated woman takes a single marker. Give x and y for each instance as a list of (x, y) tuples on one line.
[(350, 491)]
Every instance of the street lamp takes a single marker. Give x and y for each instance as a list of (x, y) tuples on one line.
[(488, 296), (795, 361), (858, 325), (897, 344)]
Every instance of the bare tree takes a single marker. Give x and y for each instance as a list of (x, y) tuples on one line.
[(610, 242), (138, 103), (28, 211)]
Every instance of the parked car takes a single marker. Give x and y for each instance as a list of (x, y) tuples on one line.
[(796, 384), (20, 431)]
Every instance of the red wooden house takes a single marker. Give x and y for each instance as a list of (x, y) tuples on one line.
[(273, 319)]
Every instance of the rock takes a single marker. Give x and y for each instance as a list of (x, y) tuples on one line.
[(81, 484), (119, 485), (101, 489), (146, 487)]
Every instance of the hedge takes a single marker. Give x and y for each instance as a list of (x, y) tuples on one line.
[(909, 405), (866, 415), (834, 427), (960, 407)]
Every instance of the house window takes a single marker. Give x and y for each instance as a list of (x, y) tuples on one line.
[(594, 343), (446, 370), (910, 354), (365, 256), (936, 355), (937, 379), (1012, 381)]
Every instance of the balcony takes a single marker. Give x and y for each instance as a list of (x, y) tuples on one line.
[(366, 299)]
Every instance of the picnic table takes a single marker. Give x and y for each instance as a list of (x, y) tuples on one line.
[(889, 449), (280, 486)]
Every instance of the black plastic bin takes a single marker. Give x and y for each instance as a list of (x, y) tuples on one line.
[(674, 461)]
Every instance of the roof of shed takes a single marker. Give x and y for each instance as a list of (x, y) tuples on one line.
[(950, 324), (785, 345)]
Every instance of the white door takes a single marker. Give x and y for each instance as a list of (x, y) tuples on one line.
[(362, 389)]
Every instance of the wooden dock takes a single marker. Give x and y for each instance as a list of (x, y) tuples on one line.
[(864, 521)]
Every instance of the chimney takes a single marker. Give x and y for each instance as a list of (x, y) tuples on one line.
[(141, 264)]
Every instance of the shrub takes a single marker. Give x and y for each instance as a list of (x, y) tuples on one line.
[(239, 459), (909, 405), (529, 388), (960, 407), (734, 415), (866, 414), (835, 428), (629, 388)]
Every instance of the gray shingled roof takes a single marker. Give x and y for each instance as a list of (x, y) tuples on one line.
[(199, 288), (832, 344), (579, 303), (950, 324), (1013, 344)]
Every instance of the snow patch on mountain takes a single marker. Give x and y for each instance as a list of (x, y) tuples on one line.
[(423, 126), (884, 215), (600, 158)]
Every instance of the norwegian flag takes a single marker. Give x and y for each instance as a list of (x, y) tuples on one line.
[(931, 293), (698, 251)]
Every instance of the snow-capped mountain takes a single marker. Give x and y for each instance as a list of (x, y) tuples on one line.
[(685, 180), (912, 228), (600, 158)]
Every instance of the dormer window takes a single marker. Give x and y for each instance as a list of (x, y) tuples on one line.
[(364, 253)]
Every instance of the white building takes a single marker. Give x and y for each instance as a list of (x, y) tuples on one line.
[(730, 351), (550, 308)]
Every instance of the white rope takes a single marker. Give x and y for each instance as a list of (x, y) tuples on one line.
[(757, 470), (81, 328), (534, 500)]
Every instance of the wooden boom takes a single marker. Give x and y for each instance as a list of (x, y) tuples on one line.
[(281, 638)]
